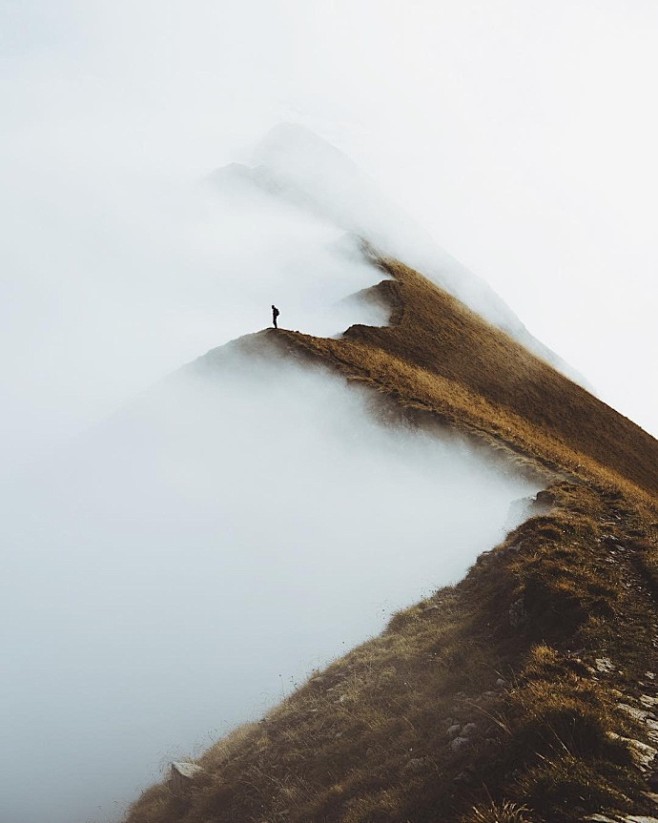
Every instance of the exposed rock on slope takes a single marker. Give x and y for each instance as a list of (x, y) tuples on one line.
[(525, 693)]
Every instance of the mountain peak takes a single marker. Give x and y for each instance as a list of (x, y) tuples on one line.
[(297, 165), (286, 143)]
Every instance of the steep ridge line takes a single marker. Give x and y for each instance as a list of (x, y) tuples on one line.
[(527, 693), (438, 355)]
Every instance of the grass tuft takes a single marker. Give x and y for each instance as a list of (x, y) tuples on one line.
[(505, 812)]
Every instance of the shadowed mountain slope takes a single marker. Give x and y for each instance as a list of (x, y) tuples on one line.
[(526, 693)]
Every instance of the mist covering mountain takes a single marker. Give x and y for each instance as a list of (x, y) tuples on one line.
[(296, 165), (525, 692), (191, 560), (250, 504), (251, 509), (384, 564)]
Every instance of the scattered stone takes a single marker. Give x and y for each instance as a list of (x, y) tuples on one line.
[(650, 675), (454, 730), (545, 498), (416, 765), (517, 613), (643, 716), (601, 818), (651, 725), (639, 818), (638, 715), (186, 769), (604, 665), (500, 683), (469, 730), (459, 743), (642, 754), (181, 774)]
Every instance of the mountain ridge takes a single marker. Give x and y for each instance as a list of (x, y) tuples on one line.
[(298, 167), (527, 693), (458, 354)]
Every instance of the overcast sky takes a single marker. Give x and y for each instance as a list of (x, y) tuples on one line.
[(521, 134)]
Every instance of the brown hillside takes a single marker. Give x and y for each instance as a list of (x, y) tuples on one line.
[(440, 356), (525, 694)]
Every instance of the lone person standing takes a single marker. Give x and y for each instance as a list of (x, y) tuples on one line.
[(275, 314)]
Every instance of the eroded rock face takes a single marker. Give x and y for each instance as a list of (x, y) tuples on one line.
[(642, 754)]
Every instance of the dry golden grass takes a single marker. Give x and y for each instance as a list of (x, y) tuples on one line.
[(495, 813), (368, 739), (512, 649), (440, 357)]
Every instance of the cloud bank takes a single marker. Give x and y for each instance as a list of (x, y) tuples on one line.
[(197, 555)]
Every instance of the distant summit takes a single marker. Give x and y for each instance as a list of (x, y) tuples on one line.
[(296, 165)]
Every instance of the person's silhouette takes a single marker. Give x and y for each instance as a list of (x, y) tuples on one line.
[(275, 314)]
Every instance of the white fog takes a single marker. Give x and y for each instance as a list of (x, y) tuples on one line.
[(176, 568), (187, 562)]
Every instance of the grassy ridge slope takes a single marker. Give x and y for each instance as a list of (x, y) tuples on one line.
[(440, 356), (526, 692)]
